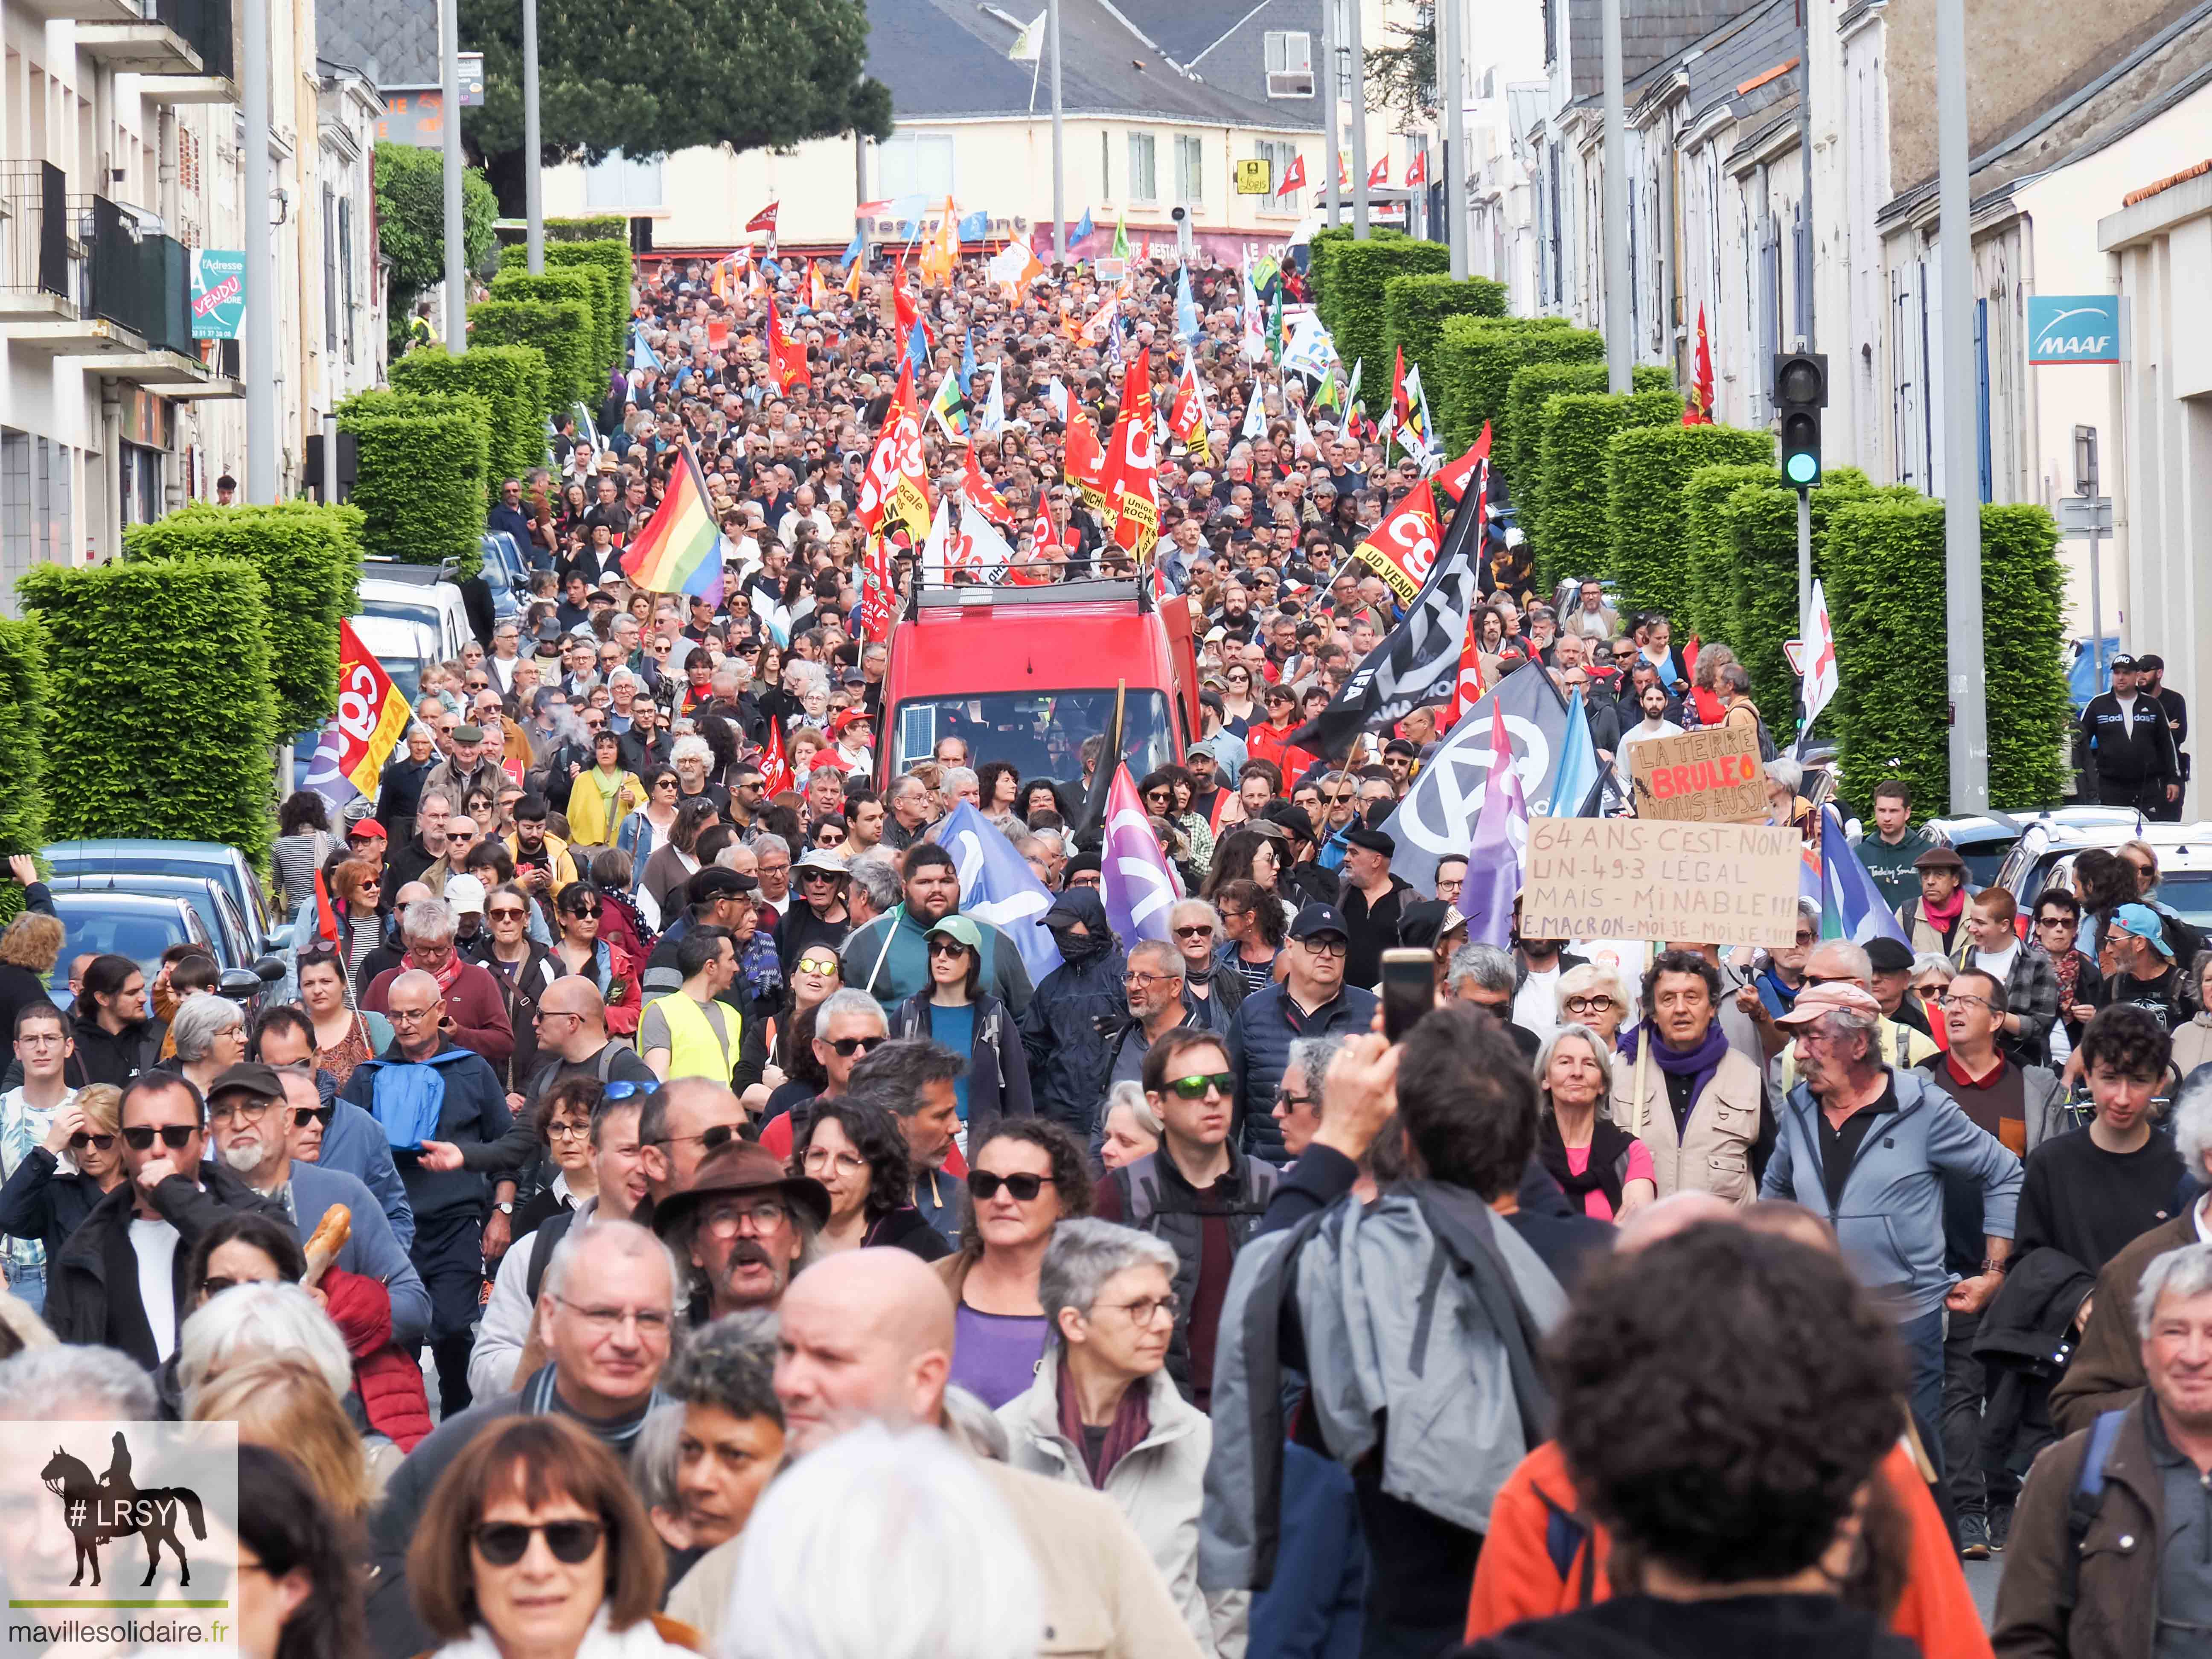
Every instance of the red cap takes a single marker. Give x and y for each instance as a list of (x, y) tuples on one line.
[(370, 830)]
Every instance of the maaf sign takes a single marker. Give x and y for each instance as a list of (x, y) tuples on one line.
[(2074, 328)]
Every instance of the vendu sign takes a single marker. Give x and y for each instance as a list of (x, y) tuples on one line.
[(2074, 328), (217, 294)]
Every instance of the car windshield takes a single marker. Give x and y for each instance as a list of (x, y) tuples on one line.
[(92, 926), (2188, 892), (1041, 732), (399, 643), (1983, 859)]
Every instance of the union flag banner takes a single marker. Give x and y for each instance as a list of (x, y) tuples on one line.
[(1084, 458), (372, 712), (894, 489), (1132, 465), (1402, 549)]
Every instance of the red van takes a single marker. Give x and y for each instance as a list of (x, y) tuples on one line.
[(1026, 674)]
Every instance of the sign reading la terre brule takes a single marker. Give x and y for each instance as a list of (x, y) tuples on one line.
[(1711, 776), (1637, 878)]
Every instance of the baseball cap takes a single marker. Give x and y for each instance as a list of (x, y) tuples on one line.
[(2142, 921), (250, 1076), (1836, 997), (466, 894), (2122, 662), (370, 830), (961, 930), (1316, 919)]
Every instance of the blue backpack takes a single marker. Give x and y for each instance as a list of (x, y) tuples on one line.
[(2087, 1497), (408, 1098)]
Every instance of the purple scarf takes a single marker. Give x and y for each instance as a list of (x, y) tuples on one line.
[(1698, 1063)]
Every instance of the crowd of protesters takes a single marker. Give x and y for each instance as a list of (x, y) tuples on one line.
[(746, 1251)]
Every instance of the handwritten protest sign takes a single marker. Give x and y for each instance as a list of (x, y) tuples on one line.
[(1651, 878), (1708, 776)]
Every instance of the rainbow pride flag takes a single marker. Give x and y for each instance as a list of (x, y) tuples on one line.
[(680, 549)]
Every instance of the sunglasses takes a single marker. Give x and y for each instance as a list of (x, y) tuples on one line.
[(214, 1287), (501, 1543), (1196, 1088), (815, 965), (848, 1047), (1024, 1187), (947, 947), (1203, 929), (175, 1136), (506, 912), (83, 1139), (321, 1114)]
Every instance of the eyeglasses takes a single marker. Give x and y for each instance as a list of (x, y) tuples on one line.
[(1830, 979), (1024, 1187), (1956, 999), (501, 1543), (819, 1158), (604, 1321), (1198, 1087), (726, 1219), (247, 1108), (175, 1136), (1588, 1004), (302, 1116), (1327, 947), (83, 1139), (567, 1131), (1145, 1308), (623, 1089), (848, 1047)]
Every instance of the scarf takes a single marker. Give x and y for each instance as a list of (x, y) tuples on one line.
[(445, 975), (1609, 1144), (1132, 1421), (538, 1398), (2068, 967), (640, 1641), (1945, 916), (1698, 1063)]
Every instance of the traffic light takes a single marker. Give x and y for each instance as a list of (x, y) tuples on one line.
[(1800, 393)]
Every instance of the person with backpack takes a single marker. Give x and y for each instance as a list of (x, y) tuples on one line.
[(2111, 1553), (1739, 712)]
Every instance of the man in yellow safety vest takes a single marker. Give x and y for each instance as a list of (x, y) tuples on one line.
[(688, 1033)]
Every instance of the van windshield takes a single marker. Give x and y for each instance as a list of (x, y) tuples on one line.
[(1040, 732)]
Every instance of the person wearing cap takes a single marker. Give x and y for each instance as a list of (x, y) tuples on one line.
[(854, 731), (1310, 1001), (889, 958), (713, 897), (1892, 962), (1076, 1020), (1373, 898), (2150, 681), (472, 766), (818, 914), (2140, 966), (744, 1225), (1931, 921), (249, 1132), (1873, 1150), (955, 1011), (399, 785), (2124, 738)]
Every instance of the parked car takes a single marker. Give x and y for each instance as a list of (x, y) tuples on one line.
[(234, 945), (415, 593), (105, 921), (1983, 839), (2046, 850), (212, 860)]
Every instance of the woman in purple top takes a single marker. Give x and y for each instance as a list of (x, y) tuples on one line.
[(1024, 1178)]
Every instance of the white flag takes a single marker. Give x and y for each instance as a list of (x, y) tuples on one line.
[(1056, 395), (1256, 324), (1028, 45), (1820, 659), (979, 545), (937, 552), (992, 421), (1256, 417)]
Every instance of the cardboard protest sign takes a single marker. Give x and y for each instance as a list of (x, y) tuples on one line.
[(1712, 775), (1651, 878)]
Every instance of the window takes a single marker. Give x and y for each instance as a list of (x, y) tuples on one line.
[(345, 269), (1190, 169), (1105, 167), (1144, 175), (915, 164), (1290, 63), (620, 184), (330, 270), (1278, 153)]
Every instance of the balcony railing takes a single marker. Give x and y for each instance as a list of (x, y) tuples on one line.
[(137, 278), (203, 25), (35, 245)]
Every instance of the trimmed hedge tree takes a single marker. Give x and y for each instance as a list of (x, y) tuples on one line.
[(1646, 469), (584, 285), (1477, 357), (511, 379), (1577, 538), (163, 667), (609, 256), (424, 461), (1351, 307), (309, 556), (2024, 628), (1321, 251), (23, 704), (1760, 586), (1708, 607), (1414, 307), (563, 331), (599, 227), (1519, 436)]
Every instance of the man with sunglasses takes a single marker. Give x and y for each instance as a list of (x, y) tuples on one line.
[(573, 1041), (849, 1027), (346, 1137), (251, 1112), (1310, 1001), (119, 1281)]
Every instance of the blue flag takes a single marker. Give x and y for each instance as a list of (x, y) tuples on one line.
[(967, 363), (998, 886), (1574, 786), (641, 355), (851, 252), (917, 350), (974, 227), (1083, 227), (1851, 906), (1186, 307)]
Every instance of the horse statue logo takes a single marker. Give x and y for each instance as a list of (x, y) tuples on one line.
[(98, 1510)]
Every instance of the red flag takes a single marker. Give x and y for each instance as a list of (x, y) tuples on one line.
[(1187, 414), (987, 501), (764, 220), (1084, 458), (1418, 173), (1697, 407), (1401, 407), (1294, 176), (786, 357), (879, 594), (774, 764), (1690, 658), (1454, 478), (1379, 174), (1402, 549), (1131, 465), (1468, 689)]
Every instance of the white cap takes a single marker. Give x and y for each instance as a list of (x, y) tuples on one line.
[(466, 894)]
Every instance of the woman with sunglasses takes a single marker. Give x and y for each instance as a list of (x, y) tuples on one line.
[(524, 969), (579, 951), (1215, 989), (1024, 1178), (2057, 934), (46, 1198), (341, 915), (859, 1154), (1166, 792), (345, 1035), (650, 825), (534, 1545), (955, 1011), (1240, 709)]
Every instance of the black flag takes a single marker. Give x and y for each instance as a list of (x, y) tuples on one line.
[(1418, 662)]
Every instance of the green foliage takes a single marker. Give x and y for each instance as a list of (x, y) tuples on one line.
[(162, 671), (588, 286), (563, 329), (410, 218), (1322, 250), (2024, 631), (22, 749), (1709, 605), (607, 266), (1758, 601), (424, 461), (1351, 309), (510, 379), (309, 559), (1571, 493), (1401, 73), (1646, 467), (1477, 358), (1415, 307), (601, 228)]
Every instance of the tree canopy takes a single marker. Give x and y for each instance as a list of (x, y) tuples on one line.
[(647, 79), (410, 217)]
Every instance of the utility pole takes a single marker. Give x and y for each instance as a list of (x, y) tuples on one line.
[(1619, 347), (1359, 123), (1059, 176), (1332, 132), (457, 263), (533, 181), (260, 269), (1455, 97), (1962, 494)]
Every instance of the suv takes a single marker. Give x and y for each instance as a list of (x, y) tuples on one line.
[(1983, 839), (2046, 851)]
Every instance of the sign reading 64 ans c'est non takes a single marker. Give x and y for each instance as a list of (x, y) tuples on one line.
[(218, 293)]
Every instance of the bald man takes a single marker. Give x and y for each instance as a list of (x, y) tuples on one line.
[(866, 1336), (573, 1042)]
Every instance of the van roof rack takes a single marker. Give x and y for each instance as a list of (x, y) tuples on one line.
[(1089, 591)]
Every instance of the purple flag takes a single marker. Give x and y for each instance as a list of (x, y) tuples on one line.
[(1137, 883), (1494, 862)]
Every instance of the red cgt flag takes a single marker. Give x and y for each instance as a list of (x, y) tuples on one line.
[(1294, 176), (764, 220), (774, 764), (1418, 173)]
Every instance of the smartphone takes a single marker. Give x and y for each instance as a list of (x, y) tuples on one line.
[(1409, 989)]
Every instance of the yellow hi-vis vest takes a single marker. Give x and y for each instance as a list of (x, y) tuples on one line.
[(694, 1050)]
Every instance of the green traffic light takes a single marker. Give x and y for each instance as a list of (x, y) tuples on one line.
[(1801, 468)]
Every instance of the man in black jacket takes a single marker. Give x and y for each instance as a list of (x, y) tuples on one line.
[(143, 1232), (2150, 680), (1078, 1012), (2124, 738)]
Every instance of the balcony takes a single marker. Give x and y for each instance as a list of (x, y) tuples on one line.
[(182, 46), (83, 11)]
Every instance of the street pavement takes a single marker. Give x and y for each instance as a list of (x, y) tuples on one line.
[(1982, 1578)]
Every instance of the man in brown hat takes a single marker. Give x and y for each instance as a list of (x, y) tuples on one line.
[(1931, 921), (744, 1226)]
